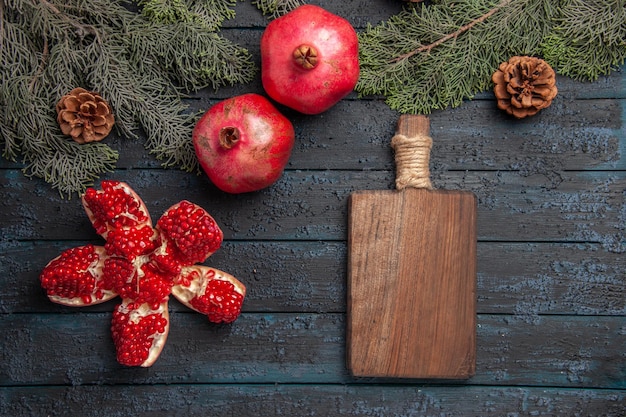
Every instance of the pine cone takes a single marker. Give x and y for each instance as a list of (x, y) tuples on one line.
[(84, 115), (524, 85)]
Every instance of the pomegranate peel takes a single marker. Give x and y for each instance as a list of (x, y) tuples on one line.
[(140, 264), (309, 59), (243, 143)]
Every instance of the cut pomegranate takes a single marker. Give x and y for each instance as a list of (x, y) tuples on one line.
[(212, 292), (139, 332), (192, 231), (141, 264), (142, 283), (130, 242), (115, 206), (74, 278)]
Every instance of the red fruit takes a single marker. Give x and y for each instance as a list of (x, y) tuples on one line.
[(140, 264), (139, 332), (142, 283), (115, 206), (243, 143), (194, 234), (130, 242), (117, 274), (210, 291), (309, 59), (74, 278)]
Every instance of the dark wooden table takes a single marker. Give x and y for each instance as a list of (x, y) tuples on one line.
[(551, 268)]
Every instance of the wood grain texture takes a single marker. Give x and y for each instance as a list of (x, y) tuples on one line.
[(189, 400), (577, 135), (561, 206), (302, 348), (412, 284), (412, 279), (524, 280), (551, 290)]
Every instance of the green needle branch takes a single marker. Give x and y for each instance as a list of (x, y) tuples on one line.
[(142, 57), (436, 55)]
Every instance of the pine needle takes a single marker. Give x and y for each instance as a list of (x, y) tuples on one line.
[(276, 8), (436, 56), (589, 39), (142, 63)]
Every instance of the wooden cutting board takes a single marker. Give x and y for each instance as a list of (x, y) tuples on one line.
[(412, 279)]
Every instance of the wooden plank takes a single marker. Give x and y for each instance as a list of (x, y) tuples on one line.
[(76, 349), (358, 12), (412, 276), (305, 205), (584, 135), (280, 276), (574, 135), (528, 279), (412, 284), (520, 279), (184, 400), (577, 135)]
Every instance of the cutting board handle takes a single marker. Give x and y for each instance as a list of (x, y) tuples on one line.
[(412, 145)]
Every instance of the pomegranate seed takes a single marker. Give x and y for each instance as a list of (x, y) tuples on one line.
[(137, 330), (117, 274), (73, 274), (193, 232), (142, 264), (114, 207), (130, 242), (220, 302)]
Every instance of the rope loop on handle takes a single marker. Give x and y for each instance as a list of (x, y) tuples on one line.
[(412, 155)]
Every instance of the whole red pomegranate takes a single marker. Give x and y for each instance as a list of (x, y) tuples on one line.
[(243, 143), (309, 59)]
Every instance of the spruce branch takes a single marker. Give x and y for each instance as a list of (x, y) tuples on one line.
[(60, 161), (193, 56), (69, 168), (589, 39), (43, 60), (81, 29), (208, 13), (435, 56), (276, 8), (455, 34), (141, 63)]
